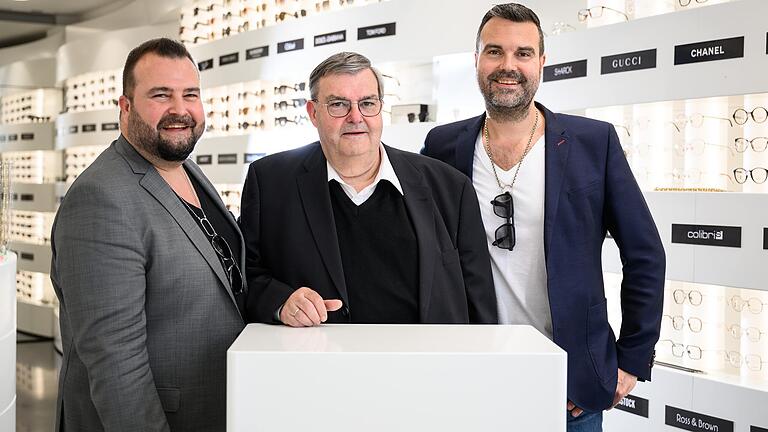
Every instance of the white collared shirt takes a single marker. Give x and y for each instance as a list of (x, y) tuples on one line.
[(386, 172)]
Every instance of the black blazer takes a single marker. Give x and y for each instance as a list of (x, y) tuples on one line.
[(588, 190), (291, 240)]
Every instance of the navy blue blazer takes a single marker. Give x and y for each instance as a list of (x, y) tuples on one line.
[(589, 190)]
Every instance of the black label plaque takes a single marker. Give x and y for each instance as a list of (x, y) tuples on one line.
[(229, 59), (707, 235), (628, 62), (634, 405), (250, 157), (757, 429), (13, 137), (765, 238), (376, 31), (27, 197), (89, 128), (227, 159), (204, 159), (205, 65), (719, 49), (288, 46), (576, 69), (257, 52), (691, 421), (27, 136), (27, 256), (113, 126), (73, 129), (331, 38)]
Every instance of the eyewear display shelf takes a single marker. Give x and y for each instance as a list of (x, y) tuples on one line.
[(395, 377), (31, 102), (686, 99)]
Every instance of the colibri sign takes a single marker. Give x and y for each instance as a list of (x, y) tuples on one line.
[(707, 235)]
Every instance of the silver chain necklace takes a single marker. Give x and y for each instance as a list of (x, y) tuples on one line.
[(487, 146)]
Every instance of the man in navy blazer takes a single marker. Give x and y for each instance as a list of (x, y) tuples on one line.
[(550, 187)]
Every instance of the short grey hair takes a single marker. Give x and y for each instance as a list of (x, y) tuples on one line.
[(514, 12), (342, 63)]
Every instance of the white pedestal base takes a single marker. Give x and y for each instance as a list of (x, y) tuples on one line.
[(395, 378)]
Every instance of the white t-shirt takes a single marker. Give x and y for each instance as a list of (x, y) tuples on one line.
[(520, 275)]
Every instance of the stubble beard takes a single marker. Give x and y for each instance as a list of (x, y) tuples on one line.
[(508, 105)]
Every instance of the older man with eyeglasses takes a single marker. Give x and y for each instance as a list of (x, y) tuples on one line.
[(349, 230)]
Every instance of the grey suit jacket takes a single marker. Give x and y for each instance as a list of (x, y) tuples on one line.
[(146, 310)]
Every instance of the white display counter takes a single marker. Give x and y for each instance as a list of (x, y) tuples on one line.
[(395, 378), (8, 342)]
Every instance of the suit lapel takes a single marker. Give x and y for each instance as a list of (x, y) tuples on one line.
[(159, 189), (556, 152), (465, 144), (316, 200), (419, 204)]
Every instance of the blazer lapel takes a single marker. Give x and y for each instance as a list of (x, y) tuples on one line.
[(159, 189), (555, 159), (465, 144), (316, 200), (419, 204)]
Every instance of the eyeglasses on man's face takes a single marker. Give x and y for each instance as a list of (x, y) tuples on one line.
[(503, 207), (368, 107)]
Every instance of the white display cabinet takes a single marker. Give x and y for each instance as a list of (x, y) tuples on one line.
[(395, 377)]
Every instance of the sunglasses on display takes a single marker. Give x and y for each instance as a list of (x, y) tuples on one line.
[(282, 89)]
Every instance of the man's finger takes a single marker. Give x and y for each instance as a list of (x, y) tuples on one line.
[(571, 405), (333, 305), (318, 314), (303, 319), (576, 412)]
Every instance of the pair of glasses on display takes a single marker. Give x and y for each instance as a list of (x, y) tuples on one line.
[(326, 4), (598, 11), (338, 108), (697, 147), (255, 124), (255, 93), (297, 120), (685, 3), (283, 89), (695, 120), (293, 103), (281, 16), (758, 144), (758, 175), (252, 109), (758, 115), (678, 322), (753, 304)]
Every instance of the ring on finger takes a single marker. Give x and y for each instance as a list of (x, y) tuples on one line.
[(295, 312)]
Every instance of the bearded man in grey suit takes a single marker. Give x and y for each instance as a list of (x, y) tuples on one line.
[(146, 265)]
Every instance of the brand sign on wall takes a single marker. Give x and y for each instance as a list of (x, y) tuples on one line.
[(707, 235)]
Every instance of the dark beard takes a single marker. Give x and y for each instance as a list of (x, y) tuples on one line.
[(497, 106), (148, 138)]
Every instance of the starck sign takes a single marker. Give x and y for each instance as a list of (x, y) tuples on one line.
[(707, 235)]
